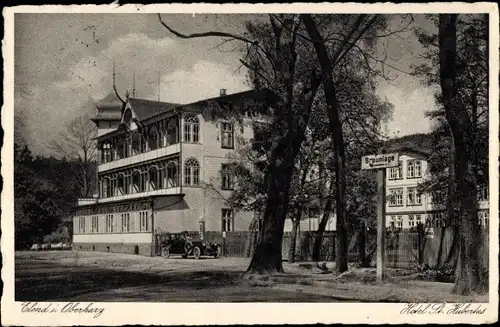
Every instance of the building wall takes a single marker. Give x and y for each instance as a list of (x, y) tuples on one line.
[(203, 203), (88, 236), (177, 214), (311, 224)]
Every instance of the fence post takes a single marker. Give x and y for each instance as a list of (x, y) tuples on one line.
[(419, 243), (223, 252), (362, 244)]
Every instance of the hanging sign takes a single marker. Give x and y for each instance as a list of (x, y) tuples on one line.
[(380, 161)]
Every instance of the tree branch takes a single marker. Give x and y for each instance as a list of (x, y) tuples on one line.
[(204, 34)]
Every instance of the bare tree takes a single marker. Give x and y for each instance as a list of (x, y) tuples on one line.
[(77, 144)]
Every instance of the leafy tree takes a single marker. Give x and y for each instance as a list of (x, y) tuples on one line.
[(36, 213), (277, 60), (358, 27), (278, 56), (458, 62)]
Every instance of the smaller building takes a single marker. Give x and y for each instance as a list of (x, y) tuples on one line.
[(406, 207)]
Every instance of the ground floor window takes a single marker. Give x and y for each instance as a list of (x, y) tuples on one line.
[(126, 222), (411, 220), (95, 224), (109, 223), (143, 221), (399, 222), (81, 224), (227, 220)]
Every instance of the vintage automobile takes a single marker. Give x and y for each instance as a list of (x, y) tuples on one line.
[(36, 247), (178, 243)]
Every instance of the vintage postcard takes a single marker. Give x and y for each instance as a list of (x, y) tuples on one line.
[(193, 164)]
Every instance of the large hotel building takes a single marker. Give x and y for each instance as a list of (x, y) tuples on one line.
[(156, 157)]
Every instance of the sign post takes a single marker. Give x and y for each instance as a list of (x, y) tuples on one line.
[(380, 162)]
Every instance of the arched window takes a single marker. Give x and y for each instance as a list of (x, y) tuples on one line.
[(121, 184), (172, 174), (136, 181), (173, 131), (153, 179), (191, 129), (153, 138), (191, 172), (106, 187)]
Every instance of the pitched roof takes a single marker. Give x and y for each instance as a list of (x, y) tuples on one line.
[(418, 143), (255, 94), (109, 108), (413, 149), (147, 108), (110, 101)]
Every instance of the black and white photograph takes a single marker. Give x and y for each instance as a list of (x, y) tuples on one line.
[(202, 164)]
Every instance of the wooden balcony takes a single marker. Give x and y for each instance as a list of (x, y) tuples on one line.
[(142, 157), (163, 191), (86, 201)]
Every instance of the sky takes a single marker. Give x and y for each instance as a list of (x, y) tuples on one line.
[(64, 64)]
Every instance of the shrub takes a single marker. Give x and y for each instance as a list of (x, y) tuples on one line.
[(61, 235), (444, 273)]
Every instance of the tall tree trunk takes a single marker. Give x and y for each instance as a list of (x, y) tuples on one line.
[(450, 206), (321, 229), (293, 235), (293, 117), (267, 256), (335, 126), (469, 277)]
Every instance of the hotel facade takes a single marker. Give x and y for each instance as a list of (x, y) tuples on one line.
[(156, 159), (406, 207)]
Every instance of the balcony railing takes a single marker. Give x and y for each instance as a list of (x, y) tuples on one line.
[(86, 201), (145, 156), (166, 191)]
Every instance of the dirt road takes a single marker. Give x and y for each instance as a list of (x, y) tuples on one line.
[(101, 277)]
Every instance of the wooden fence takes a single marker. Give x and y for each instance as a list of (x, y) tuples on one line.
[(305, 243), (408, 248), (404, 248)]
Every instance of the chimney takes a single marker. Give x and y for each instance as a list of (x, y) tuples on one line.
[(223, 92)]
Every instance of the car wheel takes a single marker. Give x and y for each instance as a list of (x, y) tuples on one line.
[(165, 252), (196, 252), (218, 252), (188, 247)]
